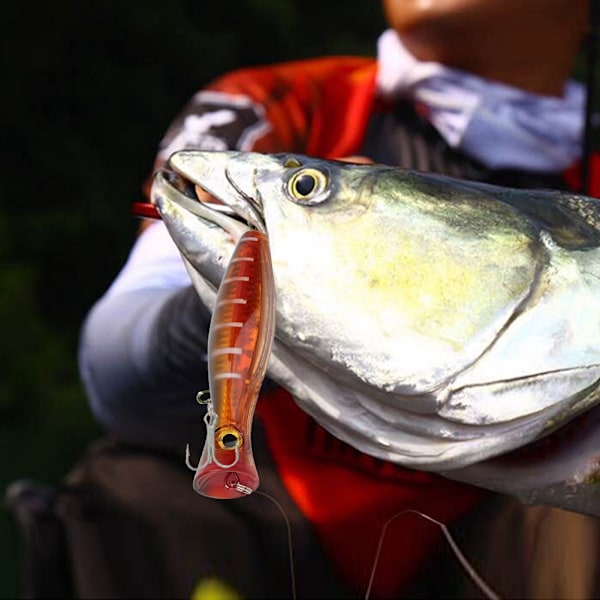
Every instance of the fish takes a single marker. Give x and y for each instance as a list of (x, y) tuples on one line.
[(429, 321)]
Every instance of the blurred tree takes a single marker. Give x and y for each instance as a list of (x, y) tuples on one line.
[(89, 98)]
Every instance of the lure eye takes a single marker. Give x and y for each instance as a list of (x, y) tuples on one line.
[(229, 438), (308, 186)]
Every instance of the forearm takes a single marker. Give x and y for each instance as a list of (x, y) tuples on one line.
[(142, 361)]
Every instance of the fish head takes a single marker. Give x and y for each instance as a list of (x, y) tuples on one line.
[(280, 189), (373, 260), (404, 300)]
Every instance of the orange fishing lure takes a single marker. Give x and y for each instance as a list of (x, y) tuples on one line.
[(239, 344)]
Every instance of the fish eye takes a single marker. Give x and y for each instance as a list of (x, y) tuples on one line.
[(308, 186)]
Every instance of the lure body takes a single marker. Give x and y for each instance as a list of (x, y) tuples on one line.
[(239, 344)]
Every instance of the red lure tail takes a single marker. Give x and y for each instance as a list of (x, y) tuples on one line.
[(239, 344)]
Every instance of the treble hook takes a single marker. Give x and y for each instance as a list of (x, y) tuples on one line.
[(209, 456)]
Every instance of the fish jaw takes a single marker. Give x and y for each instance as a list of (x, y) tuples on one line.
[(561, 470), (210, 171), (204, 237)]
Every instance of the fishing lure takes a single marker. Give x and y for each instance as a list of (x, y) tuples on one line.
[(239, 344)]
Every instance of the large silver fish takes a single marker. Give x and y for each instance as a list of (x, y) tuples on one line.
[(428, 321)]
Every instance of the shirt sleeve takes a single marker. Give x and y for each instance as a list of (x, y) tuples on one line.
[(216, 120), (142, 350)]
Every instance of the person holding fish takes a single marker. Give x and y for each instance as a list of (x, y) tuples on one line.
[(350, 428)]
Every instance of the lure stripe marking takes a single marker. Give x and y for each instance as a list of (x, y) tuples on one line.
[(232, 301), (237, 324), (220, 351), (228, 375)]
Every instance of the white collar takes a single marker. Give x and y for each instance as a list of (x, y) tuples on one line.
[(499, 125)]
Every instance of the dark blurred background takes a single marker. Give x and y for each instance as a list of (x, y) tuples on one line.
[(88, 89)]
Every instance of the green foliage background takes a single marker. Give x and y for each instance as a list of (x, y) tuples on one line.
[(87, 91)]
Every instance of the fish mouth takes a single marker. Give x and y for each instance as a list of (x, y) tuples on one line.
[(202, 184)]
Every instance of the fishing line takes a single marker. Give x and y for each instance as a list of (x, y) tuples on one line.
[(479, 582), (471, 571), (289, 541)]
